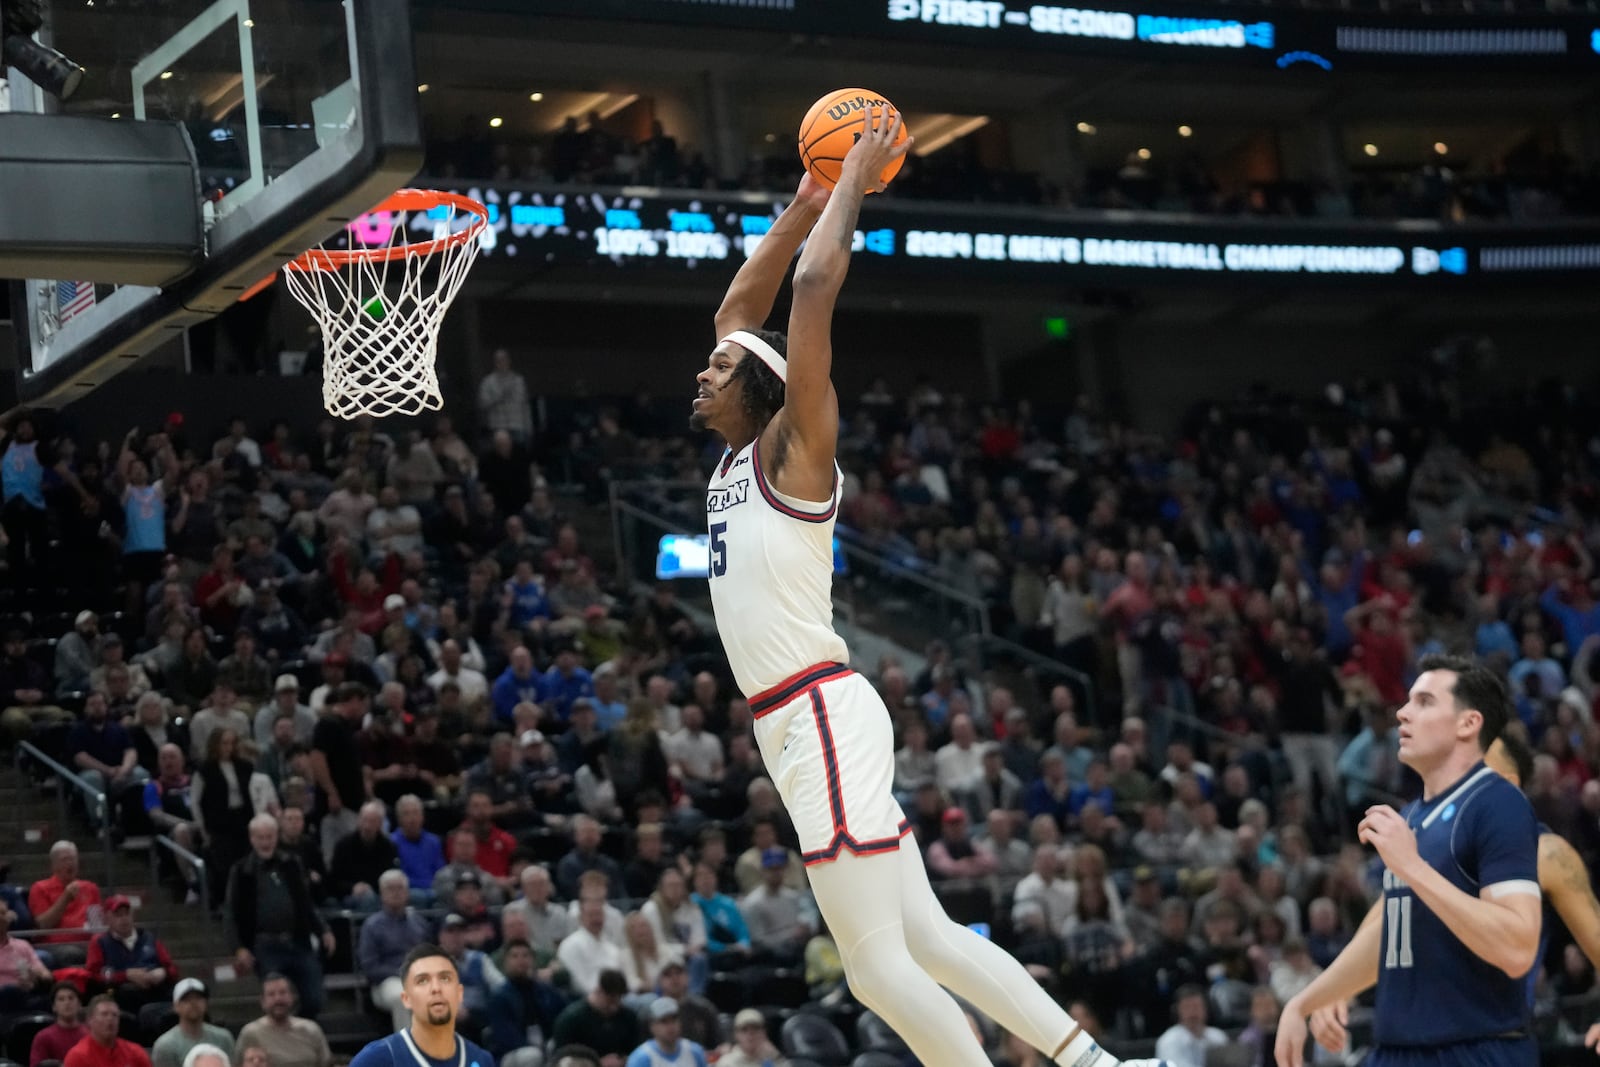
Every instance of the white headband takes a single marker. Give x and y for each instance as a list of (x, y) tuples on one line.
[(763, 351)]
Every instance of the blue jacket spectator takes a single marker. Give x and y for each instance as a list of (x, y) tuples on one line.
[(565, 682), (519, 683), (420, 853), (725, 926)]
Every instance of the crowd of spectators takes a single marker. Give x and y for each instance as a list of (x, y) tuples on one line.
[(1525, 187), (379, 683)]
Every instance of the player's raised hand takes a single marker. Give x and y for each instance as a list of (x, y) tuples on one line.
[(812, 193), (1592, 1038), (1330, 1027), (1385, 830), (876, 148)]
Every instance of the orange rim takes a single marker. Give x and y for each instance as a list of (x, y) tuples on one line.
[(404, 200)]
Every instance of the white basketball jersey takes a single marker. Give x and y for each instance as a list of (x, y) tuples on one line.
[(771, 573)]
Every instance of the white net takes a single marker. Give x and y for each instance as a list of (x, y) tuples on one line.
[(380, 307)]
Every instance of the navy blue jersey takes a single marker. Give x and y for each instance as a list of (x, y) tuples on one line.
[(1432, 989), (399, 1050)]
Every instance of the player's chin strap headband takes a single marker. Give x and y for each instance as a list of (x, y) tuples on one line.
[(761, 350)]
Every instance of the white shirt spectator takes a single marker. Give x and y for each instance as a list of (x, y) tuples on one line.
[(1181, 1048), (584, 956), (503, 399), (396, 530), (698, 753), (688, 920), (471, 653), (612, 929), (956, 767), (474, 686)]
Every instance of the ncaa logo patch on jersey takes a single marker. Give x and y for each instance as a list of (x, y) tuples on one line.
[(1448, 813)]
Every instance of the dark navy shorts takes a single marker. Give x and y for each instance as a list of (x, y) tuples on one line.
[(1492, 1052)]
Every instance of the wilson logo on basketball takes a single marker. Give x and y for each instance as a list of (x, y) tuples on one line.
[(860, 103)]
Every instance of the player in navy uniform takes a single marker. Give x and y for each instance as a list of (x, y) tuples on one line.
[(1457, 929), (431, 990)]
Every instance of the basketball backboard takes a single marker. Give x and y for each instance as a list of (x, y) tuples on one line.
[(303, 115)]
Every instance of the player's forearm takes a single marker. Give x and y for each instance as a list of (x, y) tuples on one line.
[(1504, 931), (1353, 971), (755, 287), (826, 259)]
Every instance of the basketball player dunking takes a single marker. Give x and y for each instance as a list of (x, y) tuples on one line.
[(431, 990), (822, 729)]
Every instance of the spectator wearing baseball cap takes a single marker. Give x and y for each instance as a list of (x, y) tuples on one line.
[(751, 1045), (190, 999), (955, 854), (285, 704), (667, 1045), (697, 1016), (132, 962)]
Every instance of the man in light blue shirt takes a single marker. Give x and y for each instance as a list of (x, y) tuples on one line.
[(666, 1047)]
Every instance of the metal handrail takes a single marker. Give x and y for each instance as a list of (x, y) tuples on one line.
[(1216, 733), (197, 862), (1049, 663), (101, 808), (899, 572)]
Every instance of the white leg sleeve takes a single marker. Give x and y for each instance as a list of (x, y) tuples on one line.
[(975, 968), (859, 896)]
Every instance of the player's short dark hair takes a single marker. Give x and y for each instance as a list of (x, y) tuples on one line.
[(424, 951), (1478, 688), (1520, 755), (760, 389)]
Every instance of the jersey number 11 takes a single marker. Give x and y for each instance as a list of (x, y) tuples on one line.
[(1398, 953)]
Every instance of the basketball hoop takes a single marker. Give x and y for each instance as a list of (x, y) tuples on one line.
[(381, 301)]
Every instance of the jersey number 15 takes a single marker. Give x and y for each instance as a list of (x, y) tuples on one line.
[(1397, 950)]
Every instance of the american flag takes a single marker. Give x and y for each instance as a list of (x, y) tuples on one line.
[(73, 298)]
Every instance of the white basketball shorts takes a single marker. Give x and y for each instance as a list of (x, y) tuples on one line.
[(829, 746)]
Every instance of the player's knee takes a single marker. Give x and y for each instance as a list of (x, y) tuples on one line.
[(876, 965)]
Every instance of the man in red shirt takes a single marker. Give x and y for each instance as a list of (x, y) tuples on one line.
[(103, 1048), (58, 1039), (63, 902), (494, 844)]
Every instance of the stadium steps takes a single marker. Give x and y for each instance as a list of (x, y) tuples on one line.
[(30, 822)]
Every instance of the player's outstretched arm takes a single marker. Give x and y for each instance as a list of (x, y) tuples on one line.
[(1565, 880), (755, 287), (1500, 925), (810, 421), (1353, 971)]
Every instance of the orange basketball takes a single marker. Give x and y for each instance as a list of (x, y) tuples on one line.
[(832, 126)]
